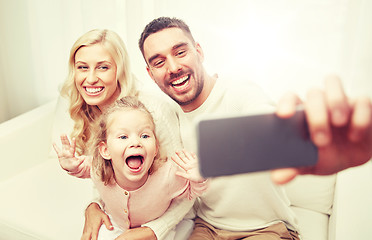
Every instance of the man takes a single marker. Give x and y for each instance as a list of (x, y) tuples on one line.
[(248, 205)]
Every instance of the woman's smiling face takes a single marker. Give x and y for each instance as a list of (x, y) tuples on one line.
[(95, 76)]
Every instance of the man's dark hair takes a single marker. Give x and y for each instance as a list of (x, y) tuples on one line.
[(161, 23)]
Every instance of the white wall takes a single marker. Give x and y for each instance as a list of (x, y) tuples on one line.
[(36, 37), (281, 44), (286, 45)]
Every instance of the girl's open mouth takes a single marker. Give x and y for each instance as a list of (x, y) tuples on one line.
[(134, 162)]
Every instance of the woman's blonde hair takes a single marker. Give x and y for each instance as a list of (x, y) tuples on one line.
[(103, 167), (82, 113)]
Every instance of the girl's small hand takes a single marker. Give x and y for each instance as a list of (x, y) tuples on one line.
[(66, 155), (188, 162)]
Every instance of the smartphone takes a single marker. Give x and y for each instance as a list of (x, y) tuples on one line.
[(251, 143)]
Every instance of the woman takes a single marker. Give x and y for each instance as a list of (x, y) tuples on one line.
[(99, 74)]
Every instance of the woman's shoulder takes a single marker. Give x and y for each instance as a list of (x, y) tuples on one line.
[(166, 119), (156, 98), (159, 105)]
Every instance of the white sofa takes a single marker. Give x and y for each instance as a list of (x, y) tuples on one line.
[(40, 201)]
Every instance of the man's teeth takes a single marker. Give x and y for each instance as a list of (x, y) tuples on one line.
[(181, 80), (93, 90)]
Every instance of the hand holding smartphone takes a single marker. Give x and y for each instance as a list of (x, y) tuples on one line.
[(251, 143)]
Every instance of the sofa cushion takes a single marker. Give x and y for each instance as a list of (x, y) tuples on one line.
[(312, 192), (25, 140), (312, 225), (43, 203)]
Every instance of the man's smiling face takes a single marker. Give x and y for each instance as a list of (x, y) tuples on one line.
[(174, 62)]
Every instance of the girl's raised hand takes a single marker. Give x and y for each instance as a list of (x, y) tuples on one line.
[(189, 163), (66, 155)]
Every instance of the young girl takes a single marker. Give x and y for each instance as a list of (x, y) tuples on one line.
[(135, 182)]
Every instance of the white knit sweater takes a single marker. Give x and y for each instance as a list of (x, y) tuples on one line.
[(241, 202)]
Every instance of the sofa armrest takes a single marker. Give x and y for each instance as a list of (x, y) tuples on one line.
[(352, 210), (25, 140)]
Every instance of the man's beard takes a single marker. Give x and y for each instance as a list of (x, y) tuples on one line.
[(199, 87)]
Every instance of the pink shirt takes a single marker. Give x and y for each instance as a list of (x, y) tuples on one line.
[(131, 209)]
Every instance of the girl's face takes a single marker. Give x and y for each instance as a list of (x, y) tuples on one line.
[(131, 145), (95, 76)]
